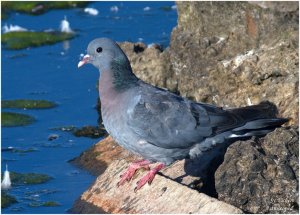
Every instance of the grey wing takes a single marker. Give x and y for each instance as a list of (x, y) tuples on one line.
[(169, 121)]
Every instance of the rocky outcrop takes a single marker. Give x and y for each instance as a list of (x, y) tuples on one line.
[(101, 155), (148, 63), (261, 175), (234, 53), (190, 173), (163, 196), (257, 176)]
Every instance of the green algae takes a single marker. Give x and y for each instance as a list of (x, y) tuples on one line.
[(9, 119), (23, 151), (18, 55), (28, 178), (44, 204), (24, 39), (27, 103), (7, 200), (35, 204), (85, 131), (166, 8), (64, 128), (19, 151), (90, 131), (51, 204), (37, 7)]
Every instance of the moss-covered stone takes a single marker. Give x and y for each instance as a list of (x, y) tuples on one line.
[(18, 55), (44, 204), (85, 131), (25, 39), (64, 128), (9, 119), (7, 200), (38, 7), (20, 151), (166, 8), (27, 103), (28, 178), (90, 131), (34, 204), (51, 204)]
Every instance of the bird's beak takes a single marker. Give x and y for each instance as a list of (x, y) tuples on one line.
[(86, 58)]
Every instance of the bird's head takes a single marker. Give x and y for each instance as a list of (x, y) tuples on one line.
[(108, 57), (101, 52)]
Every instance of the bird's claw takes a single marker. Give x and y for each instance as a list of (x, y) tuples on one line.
[(126, 177), (130, 172), (148, 178)]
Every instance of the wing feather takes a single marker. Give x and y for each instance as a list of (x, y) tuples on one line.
[(166, 120)]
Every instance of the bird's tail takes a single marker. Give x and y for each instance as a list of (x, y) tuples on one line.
[(256, 120), (260, 119)]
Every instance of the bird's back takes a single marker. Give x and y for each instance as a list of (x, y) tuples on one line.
[(168, 121)]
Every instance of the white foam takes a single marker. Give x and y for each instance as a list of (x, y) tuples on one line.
[(147, 8), (65, 26), (114, 9), (12, 28), (91, 11), (6, 183)]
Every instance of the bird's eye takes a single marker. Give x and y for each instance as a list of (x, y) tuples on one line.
[(99, 49)]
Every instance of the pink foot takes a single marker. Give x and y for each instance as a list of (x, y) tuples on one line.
[(148, 177), (129, 173)]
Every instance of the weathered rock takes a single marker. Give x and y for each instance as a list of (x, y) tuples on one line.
[(196, 174), (234, 185), (261, 175), (99, 156), (148, 63), (90, 131), (234, 53), (102, 154), (163, 196), (286, 6)]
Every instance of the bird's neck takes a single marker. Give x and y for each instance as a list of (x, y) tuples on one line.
[(108, 95), (115, 81), (122, 75)]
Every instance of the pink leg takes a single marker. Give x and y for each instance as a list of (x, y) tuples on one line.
[(129, 173), (148, 177)]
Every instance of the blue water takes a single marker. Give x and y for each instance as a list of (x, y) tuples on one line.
[(50, 72)]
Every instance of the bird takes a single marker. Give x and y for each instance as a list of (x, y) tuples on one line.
[(160, 126)]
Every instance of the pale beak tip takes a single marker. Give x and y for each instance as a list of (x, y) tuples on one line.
[(80, 63), (85, 60)]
